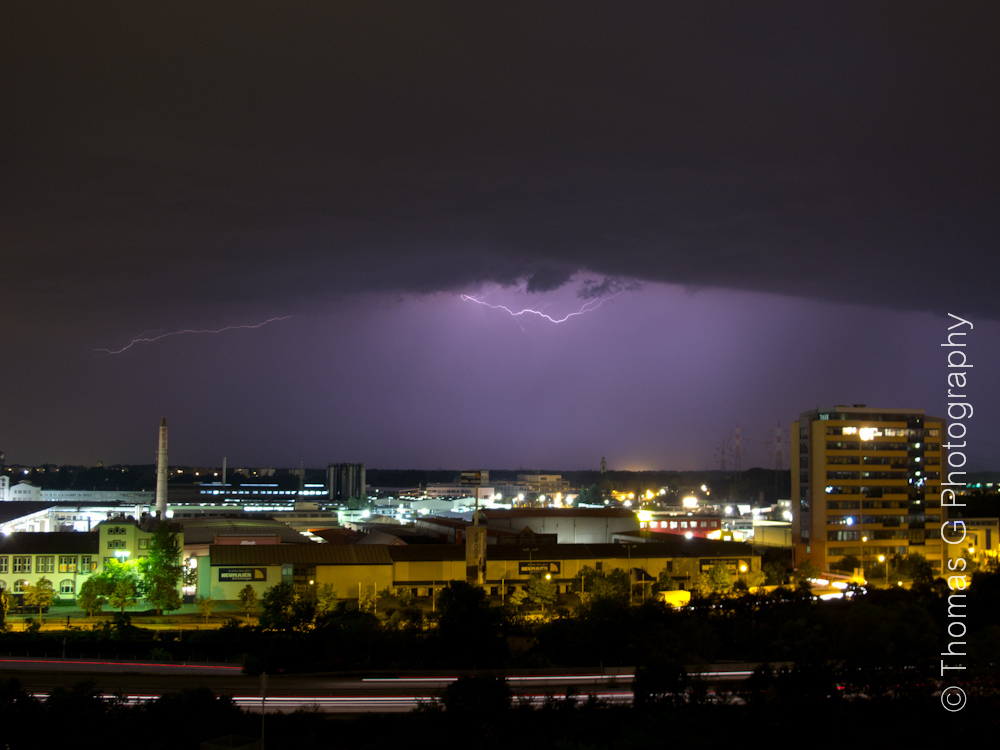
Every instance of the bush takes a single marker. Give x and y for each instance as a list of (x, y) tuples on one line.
[(480, 696)]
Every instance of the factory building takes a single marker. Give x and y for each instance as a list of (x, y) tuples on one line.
[(356, 569), (346, 482), (570, 525)]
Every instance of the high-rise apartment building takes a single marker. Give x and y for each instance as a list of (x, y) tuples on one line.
[(866, 482)]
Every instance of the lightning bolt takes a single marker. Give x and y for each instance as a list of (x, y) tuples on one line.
[(144, 339), (586, 308)]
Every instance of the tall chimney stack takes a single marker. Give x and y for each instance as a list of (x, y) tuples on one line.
[(161, 472)]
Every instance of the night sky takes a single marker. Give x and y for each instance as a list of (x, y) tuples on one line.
[(761, 207)]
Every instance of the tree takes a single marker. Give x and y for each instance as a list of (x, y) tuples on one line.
[(190, 575), (703, 586), (913, 567), (93, 595), (162, 570), (541, 590), (658, 684), (326, 599), (206, 605), (666, 582), (248, 600), (806, 570), (518, 598), (121, 581), (614, 586), (39, 595), (123, 594), (6, 598), (720, 577), (467, 623), (278, 603), (480, 696), (756, 578), (775, 573)]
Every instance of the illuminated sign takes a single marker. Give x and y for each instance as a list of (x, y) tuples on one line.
[(472, 478), (526, 568), (242, 574), (728, 563)]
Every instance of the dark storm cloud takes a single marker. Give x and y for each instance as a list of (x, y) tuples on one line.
[(547, 279), (609, 286), (185, 154)]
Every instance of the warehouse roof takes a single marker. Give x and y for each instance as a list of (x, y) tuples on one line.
[(50, 543), (300, 554)]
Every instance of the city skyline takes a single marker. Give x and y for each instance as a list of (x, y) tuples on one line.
[(310, 236)]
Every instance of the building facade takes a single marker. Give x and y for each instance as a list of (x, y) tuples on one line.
[(867, 482), (354, 570), (69, 558)]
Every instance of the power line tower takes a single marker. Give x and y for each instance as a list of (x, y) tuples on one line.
[(737, 441), (777, 443), (722, 454)]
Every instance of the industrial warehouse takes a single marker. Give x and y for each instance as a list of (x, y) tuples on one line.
[(353, 570)]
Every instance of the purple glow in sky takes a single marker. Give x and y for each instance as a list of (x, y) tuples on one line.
[(652, 379)]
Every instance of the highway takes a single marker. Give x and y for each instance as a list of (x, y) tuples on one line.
[(332, 693)]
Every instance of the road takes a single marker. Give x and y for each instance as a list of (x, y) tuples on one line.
[(334, 693)]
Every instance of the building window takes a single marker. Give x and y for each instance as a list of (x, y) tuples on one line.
[(67, 564), (19, 586), (143, 544), (22, 564), (87, 564), (66, 587), (45, 564), (3, 564)]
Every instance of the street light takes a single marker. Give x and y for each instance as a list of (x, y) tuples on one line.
[(882, 558)]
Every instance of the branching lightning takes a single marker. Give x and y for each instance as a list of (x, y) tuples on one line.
[(144, 338), (586, 308)]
